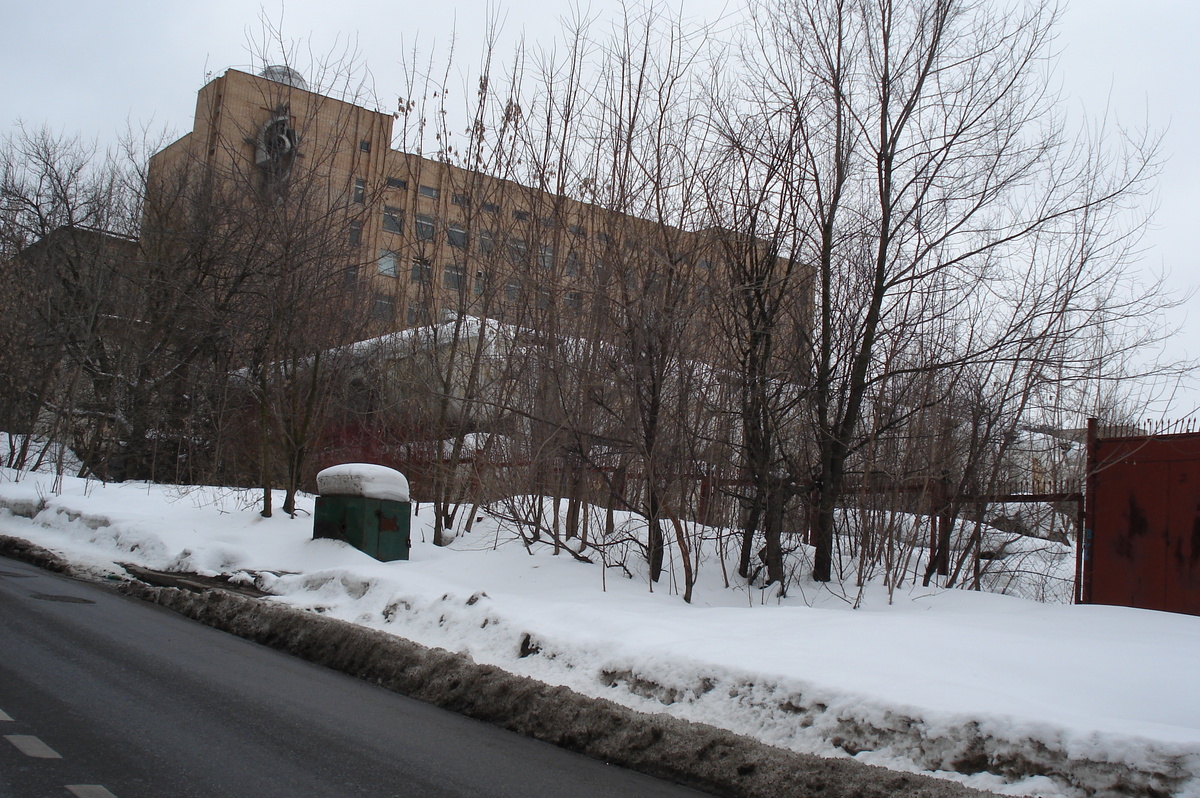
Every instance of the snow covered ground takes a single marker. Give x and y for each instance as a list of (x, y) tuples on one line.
[(999, 692)]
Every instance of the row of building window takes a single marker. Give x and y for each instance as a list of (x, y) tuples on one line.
[(454, 277), (425, 229), (518, 254), (384, 306), (359, 194), (384, 310), (463, 200)]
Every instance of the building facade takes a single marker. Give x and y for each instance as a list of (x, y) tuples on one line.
[(424, 238)]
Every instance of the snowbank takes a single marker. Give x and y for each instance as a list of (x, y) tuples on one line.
[(998, 692)]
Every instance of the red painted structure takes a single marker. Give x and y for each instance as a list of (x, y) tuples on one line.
[(1142, 538)]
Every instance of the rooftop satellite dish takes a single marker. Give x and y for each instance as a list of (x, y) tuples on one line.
[(281, 73)]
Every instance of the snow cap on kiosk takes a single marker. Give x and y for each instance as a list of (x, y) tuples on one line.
[(363, 479)]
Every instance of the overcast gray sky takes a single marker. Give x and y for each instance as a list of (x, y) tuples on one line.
[(89, 67)]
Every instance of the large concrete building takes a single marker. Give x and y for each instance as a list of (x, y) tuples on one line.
[(423, 236)]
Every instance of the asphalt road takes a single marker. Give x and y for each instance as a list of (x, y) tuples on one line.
[(102, 695)]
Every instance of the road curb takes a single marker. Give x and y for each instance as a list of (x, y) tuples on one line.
[(694, 754)]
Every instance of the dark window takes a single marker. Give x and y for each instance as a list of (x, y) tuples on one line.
[(487, 242), (360, 190), (455, 277), (383, 308), (578, 230), (395, 182), (460, 199), (388, 263), (421, 271), (456, 236), (573, 263), (490, 207), (481, 282), (364, 145), (425, 229), (604, 238), (544, 298), (546, 256), (549, 222), (518, 251), (521, 216), (704, 263), (418, 314), (355, 236), (574, 301), (428, 191), (393, 219), (512, 290)]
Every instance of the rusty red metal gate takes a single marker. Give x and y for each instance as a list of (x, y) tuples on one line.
[(1142, 543)]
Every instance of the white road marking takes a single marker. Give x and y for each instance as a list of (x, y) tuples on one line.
[(89, 791), (29, 745), (4, 716)]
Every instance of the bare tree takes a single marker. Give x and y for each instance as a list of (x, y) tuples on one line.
[(923, 176), (69, 219)]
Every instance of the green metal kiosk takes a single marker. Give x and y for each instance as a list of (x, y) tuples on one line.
[(367, 506)]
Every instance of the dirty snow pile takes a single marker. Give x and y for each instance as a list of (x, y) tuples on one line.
[(998, 692)]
